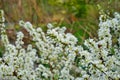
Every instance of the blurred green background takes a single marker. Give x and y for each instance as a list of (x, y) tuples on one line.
[(79, 16)]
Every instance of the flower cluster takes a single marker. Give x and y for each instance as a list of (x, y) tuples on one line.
[(55, 54)]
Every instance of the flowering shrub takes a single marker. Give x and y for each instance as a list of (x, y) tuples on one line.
[(55, 55)]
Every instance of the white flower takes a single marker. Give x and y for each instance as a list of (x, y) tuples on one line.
[(21, 23), (49, 26)]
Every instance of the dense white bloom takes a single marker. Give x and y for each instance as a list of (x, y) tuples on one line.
[(19, 41), (55, 55)]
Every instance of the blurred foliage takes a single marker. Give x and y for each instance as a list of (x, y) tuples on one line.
[(75, 7), (44, 11)]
